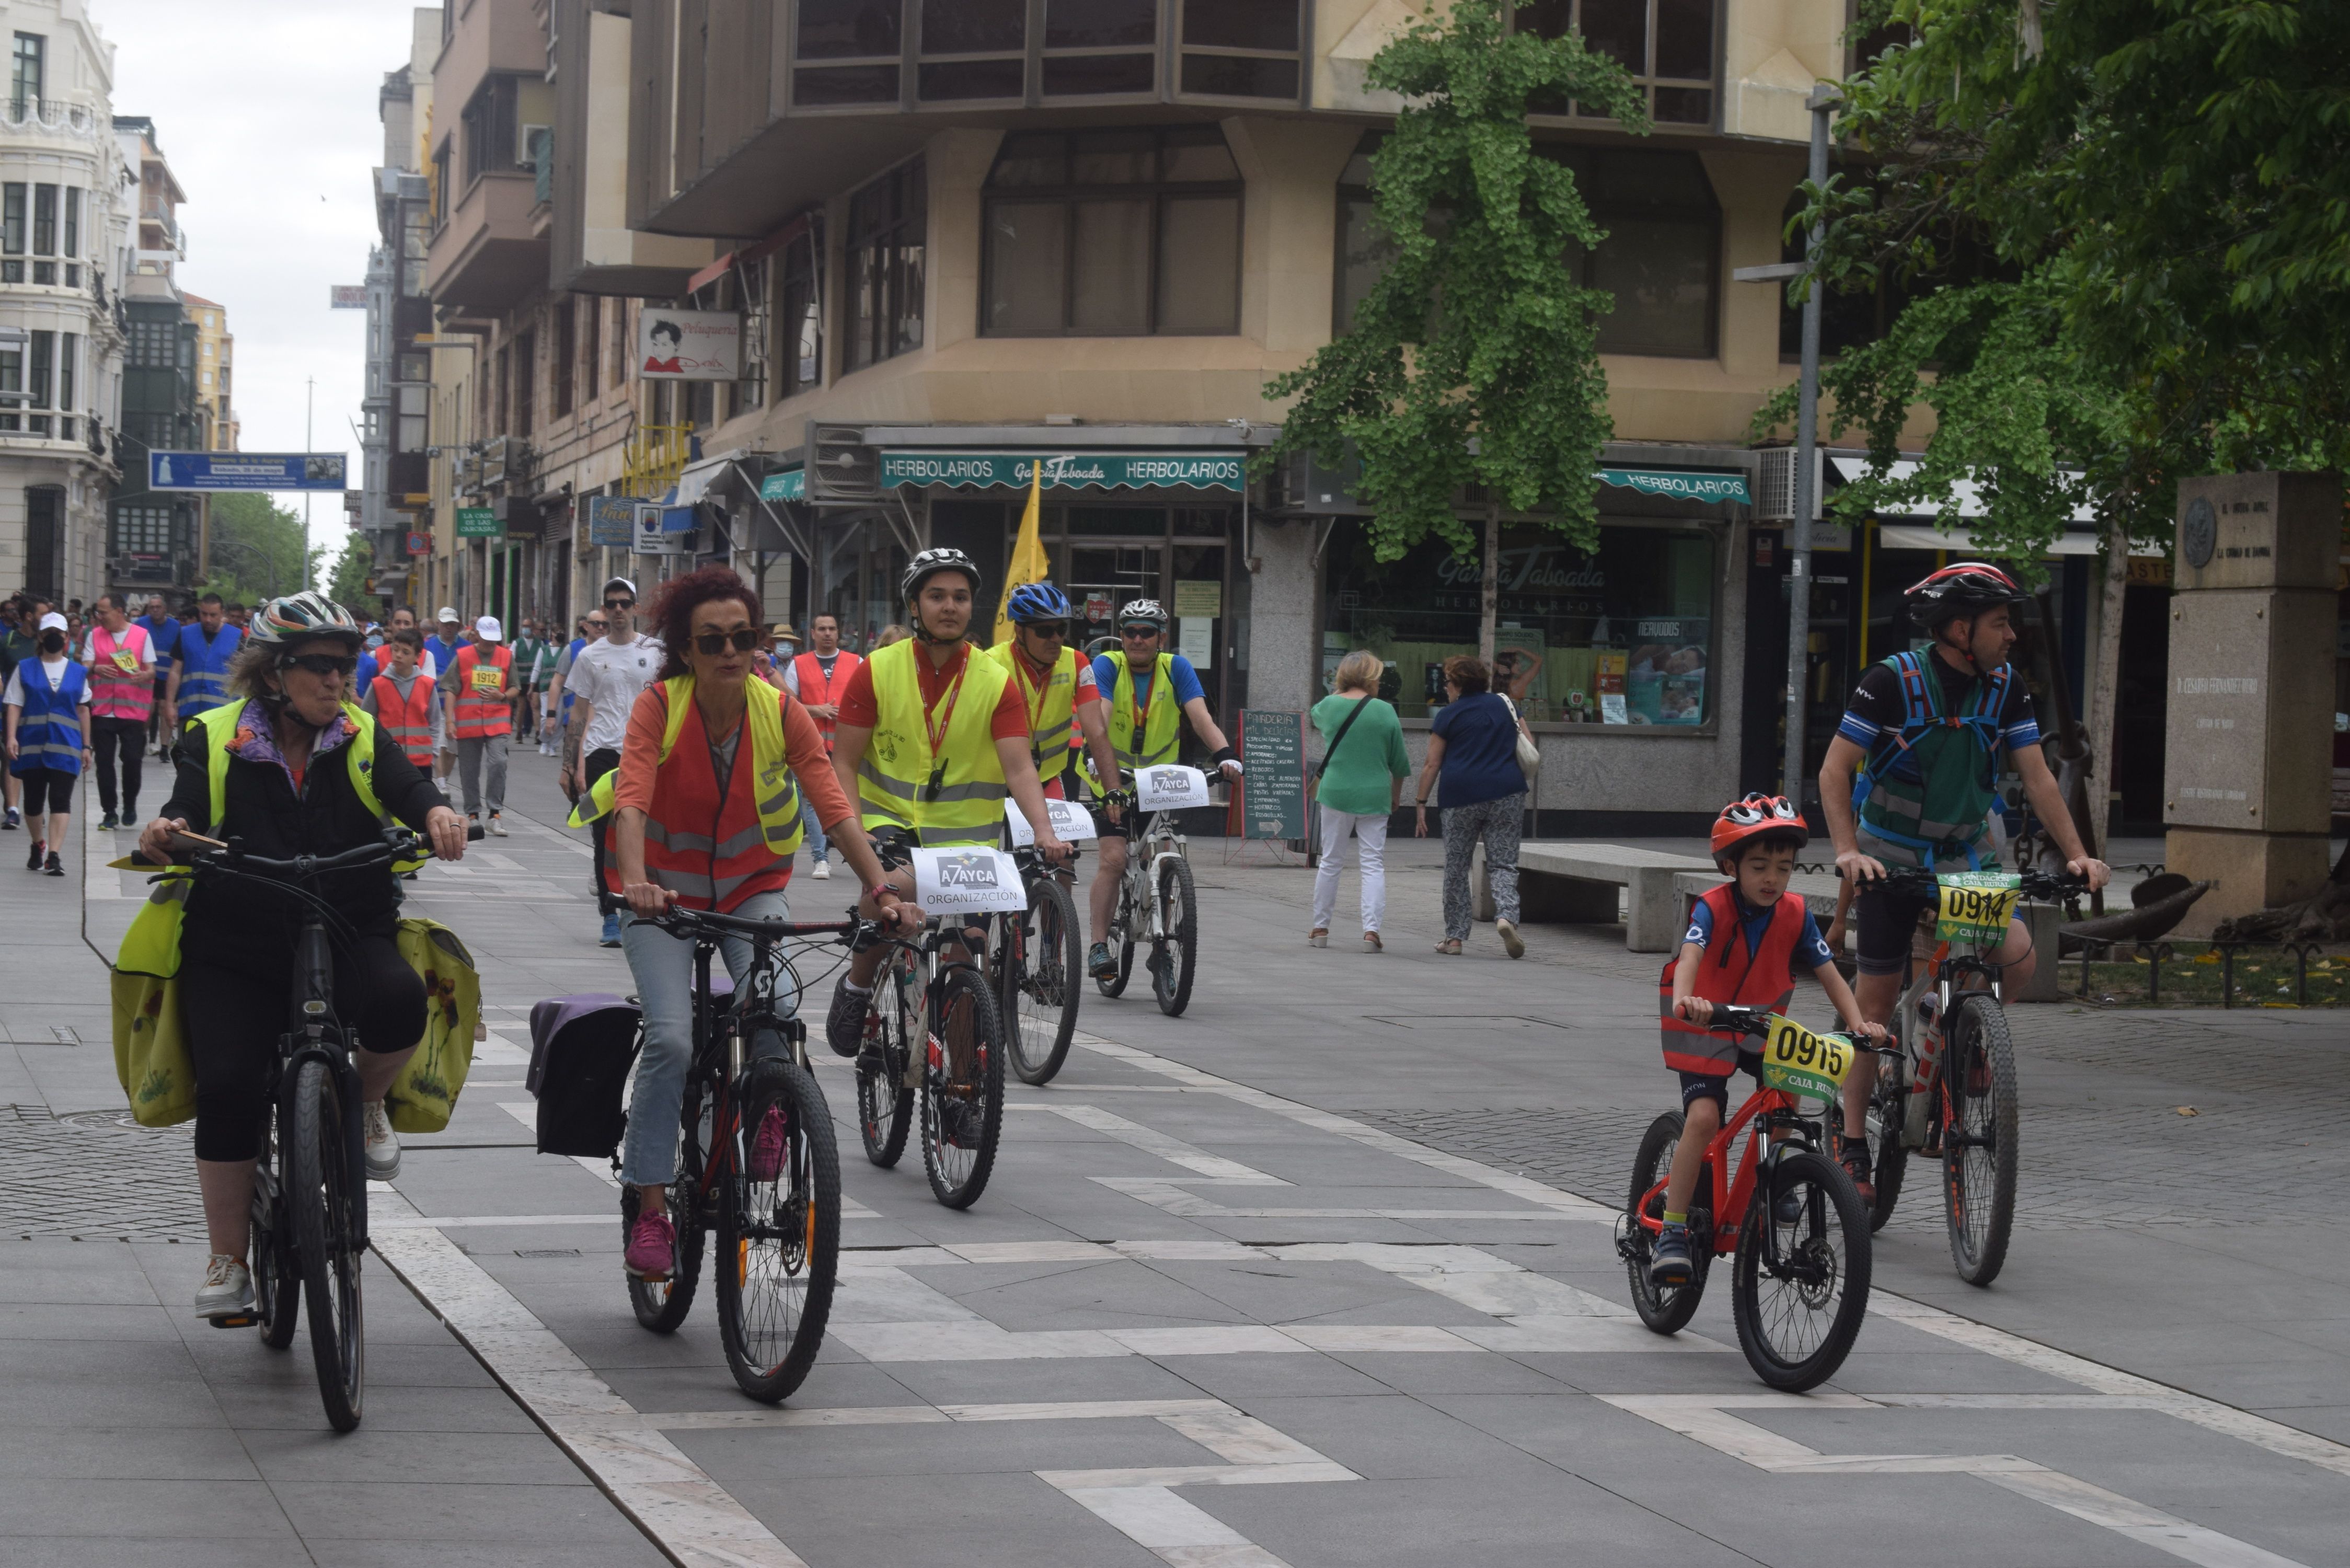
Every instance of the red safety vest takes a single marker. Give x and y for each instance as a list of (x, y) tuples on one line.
[(480, 711), (713, 853), (1729, 972), (815, 690), (406, 720), (116, 692)]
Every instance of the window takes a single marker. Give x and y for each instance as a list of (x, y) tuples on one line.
[(12, 387), (12, 231), (1100, 47), (525, 381), (1660, 258), (142, 531), (567, 349), (620, 369), (489, 121), (73, 236), (972, 49), (750, 391), (591, 345), (42, 365), (69, 352), (1364, 247), (1120, 232), (26, 73), (859, 42), (1240, 48), (802, 318), (154, 345), (438, 194), (887, 227), (1666, 44), (505, 384), (45, 220)]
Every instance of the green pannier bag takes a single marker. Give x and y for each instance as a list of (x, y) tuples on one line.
[(424, 1096)]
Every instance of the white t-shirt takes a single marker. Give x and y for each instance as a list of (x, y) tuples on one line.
[(610, 675), (54, 668)]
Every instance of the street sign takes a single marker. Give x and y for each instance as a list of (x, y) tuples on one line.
[(346, 296), (479, 522), (653, 538), (611, 520), (1273, 773), (245, 470), (419, 545)]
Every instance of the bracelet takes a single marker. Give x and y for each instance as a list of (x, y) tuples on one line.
[(1421, 803)]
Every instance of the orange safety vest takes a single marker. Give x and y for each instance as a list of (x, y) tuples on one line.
[(1762, 978), (711, 853), (815, 690), (406, 720), (480, 711)]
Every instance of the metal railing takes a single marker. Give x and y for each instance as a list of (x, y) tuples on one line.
[(652, 459)]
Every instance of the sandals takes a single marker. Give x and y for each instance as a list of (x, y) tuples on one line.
[(1449, 947), (1319, 937), (1371, 943)]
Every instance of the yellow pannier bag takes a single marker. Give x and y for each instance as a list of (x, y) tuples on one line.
[(151, 1042), (424, 1096)]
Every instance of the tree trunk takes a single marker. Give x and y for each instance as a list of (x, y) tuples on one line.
[(1489, 606), (2104, 678)]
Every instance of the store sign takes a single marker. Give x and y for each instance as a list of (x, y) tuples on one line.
[(479, 522), (791, 486), (420, 543), (1681, 486), (245, 470), (1066, 471), (650, 534), (612, 521), (690, 345)]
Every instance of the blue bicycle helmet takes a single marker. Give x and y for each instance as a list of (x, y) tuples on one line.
[(1038, 601)]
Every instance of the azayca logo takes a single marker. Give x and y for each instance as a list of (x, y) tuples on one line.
[(967, 871), (1166, 778)]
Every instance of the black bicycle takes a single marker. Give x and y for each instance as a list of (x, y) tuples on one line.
[(309, 1226), (1039, 970), (757, 1165)]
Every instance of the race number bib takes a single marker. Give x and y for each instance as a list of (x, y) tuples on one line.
[(124, 660), (1170, 788), (488, 682), (1071, 822), (1976, 907), (967, 879), (1797, 1061)]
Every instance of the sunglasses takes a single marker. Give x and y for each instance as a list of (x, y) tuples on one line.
[(1052, 629), (714, 643), (1137, 631), (321, 664), (619, 604)]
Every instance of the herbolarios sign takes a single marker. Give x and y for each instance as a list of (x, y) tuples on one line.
[(690, 345), (1066, 471)]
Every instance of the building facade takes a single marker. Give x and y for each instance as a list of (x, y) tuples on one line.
[(215, 364), (159, 540), (394, 482), (64, 239)]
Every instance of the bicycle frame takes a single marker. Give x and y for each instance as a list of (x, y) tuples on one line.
[(1162, 838), (314, 1033), (1921, 1043), (1764, 1112), (714, 1024)]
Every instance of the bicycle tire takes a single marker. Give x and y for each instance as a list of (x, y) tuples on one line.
[(661, 1305), (1979, 1136), (320, 1198), (1831, 1214), (885, 1104), (1040, 963), (771, 1318), (1666, 1310), (1121, 931), (963, 1088), (277, 1277), (1887, 1104), (1179, 949)]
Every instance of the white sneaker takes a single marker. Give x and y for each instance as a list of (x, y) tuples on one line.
[(822, 872), (382, 1143), (498, 826), (228, 1288)]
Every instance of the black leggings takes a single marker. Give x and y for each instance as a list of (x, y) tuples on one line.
[(46, 788), (235, 1017)]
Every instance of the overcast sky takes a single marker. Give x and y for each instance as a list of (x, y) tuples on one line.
[(266, 109)]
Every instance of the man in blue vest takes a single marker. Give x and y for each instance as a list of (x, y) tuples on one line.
[(161, 630), (201, 655)]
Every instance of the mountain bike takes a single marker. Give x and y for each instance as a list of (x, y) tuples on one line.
[(1789, 1216), (778, 1223), (1157, 907), (1039, 967), (1950, 1093), (309, 1226)]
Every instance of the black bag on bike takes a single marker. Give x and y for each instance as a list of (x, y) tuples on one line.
[(581, 1048)]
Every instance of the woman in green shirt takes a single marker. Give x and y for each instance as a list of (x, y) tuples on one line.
[(1363, 769)]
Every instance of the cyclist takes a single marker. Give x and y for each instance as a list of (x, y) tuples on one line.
[(1150, 694), (262, 767), (1914, 766), (1745, 939), (709, 820), (932, 738), (1057, 689)]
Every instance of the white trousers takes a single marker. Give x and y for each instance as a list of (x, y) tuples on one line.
[(1371, 834)]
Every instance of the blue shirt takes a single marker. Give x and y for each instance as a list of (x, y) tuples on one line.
[(443, 654), (1480, 751), (1187, 679), (1811, 947), (162, 631)]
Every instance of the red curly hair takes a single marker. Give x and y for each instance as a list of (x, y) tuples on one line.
[(671, 614)]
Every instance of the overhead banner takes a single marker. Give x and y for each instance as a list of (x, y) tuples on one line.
[(1066, 471), (690, 345), (245, 470), (1676, 483)]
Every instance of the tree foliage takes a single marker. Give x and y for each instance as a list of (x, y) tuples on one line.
[(251, 535), (1474, 359), (348, 586)]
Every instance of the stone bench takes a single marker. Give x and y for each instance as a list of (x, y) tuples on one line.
[(1581, 883)]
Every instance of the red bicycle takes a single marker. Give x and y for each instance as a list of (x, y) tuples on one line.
[(1800, 1256)]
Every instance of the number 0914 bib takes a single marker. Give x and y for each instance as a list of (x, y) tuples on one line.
[(1797, 1061), (1976, 906)]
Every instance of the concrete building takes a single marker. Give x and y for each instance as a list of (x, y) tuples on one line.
[(158, 537), (63, 237), (394, 486)]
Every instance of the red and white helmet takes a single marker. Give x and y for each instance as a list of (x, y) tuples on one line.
[(1962, 589), (1743, 819)]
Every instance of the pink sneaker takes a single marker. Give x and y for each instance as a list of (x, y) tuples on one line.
[(767, 1148), (652, 1247)]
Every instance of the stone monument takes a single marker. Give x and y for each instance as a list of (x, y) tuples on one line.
[(2248, 756)]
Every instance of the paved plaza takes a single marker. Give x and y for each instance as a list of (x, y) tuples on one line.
[(1319, 1274)]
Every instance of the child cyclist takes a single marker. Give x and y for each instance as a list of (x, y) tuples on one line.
[(1744, 940)]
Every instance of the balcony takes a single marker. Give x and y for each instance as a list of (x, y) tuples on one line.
[(485, 256), (589, 177), (54, 117)]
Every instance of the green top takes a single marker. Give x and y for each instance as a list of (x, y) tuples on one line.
[(533, 670), (1356, 779)]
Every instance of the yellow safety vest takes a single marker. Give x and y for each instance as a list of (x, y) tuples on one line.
[(779, 813), (1051, 714), (952, 796), (1162, 724)]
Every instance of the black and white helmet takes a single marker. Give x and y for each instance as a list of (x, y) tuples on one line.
[(298, 617), (931, 563), (1151, 611)]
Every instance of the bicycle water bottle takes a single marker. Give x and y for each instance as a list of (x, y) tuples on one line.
[(1916, 1111)]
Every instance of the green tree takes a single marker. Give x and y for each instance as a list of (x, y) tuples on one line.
[(348, 586), (1474, 359), (258, 548)]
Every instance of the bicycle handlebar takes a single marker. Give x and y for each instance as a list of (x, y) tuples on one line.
[(395, 844), (2039, 884), (1734, 1018), (681, 921)]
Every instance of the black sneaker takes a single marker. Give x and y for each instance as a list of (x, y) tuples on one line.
[(1099, 963), (13, 820), (1851, 1153), (844, 1024), (54, 868), (106, 824), (33, 861), (1670, 1262)]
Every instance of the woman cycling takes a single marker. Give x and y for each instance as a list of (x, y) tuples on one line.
[(262, 767), (709, 817)]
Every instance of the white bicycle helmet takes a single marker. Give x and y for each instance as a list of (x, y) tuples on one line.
[(1151, 611), (296, 617), (930, 564)]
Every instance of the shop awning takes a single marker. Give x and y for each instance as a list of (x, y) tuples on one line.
[(1066, 470), (1960, 541), (1680, 484), (791, 485), (1965, 492)]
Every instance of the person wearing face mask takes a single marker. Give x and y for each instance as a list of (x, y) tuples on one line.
[(290, 765), (48, 704)]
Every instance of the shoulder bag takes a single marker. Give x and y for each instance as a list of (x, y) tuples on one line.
[(1336, 740), (1529, 755)]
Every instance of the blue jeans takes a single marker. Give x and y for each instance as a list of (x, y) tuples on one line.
[(815, 833), (663, 968)]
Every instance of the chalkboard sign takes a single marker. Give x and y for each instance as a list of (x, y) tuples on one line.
[(1273, 773)]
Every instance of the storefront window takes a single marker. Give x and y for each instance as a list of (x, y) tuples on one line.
[(1624, 635)]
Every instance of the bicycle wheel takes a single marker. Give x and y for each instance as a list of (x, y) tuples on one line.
[(1038, 967), (660, 1305), (778, 1238), (885, 1104), (1979, 1136), (320, 1196), (276, 1279), (1666, 1310), (1798, 1291), (1121, 933), (1888, 1155), (963, 1089), (1178, 948)]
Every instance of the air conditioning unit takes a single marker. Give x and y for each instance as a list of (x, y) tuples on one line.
[(1303, 487), (842, 470), (1775, 486)]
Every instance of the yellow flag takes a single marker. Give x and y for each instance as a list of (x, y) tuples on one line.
[(1029, 562)]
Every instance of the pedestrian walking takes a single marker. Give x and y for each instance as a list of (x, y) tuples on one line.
[(1473, 747), (47, 706), (560, 698), (161, 632), (201, 653), (478, 692), (1359, 785), (121, 664), (529, 647), (818, 678), (20, 640), (607, 678)]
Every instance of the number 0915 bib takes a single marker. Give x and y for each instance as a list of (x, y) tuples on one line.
[(1976, 906), (1797, 1061)]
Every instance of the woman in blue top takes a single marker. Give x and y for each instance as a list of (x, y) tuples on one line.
[(1474, 745)]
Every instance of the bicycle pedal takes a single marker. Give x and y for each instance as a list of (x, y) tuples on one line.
[(245, 1320)]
